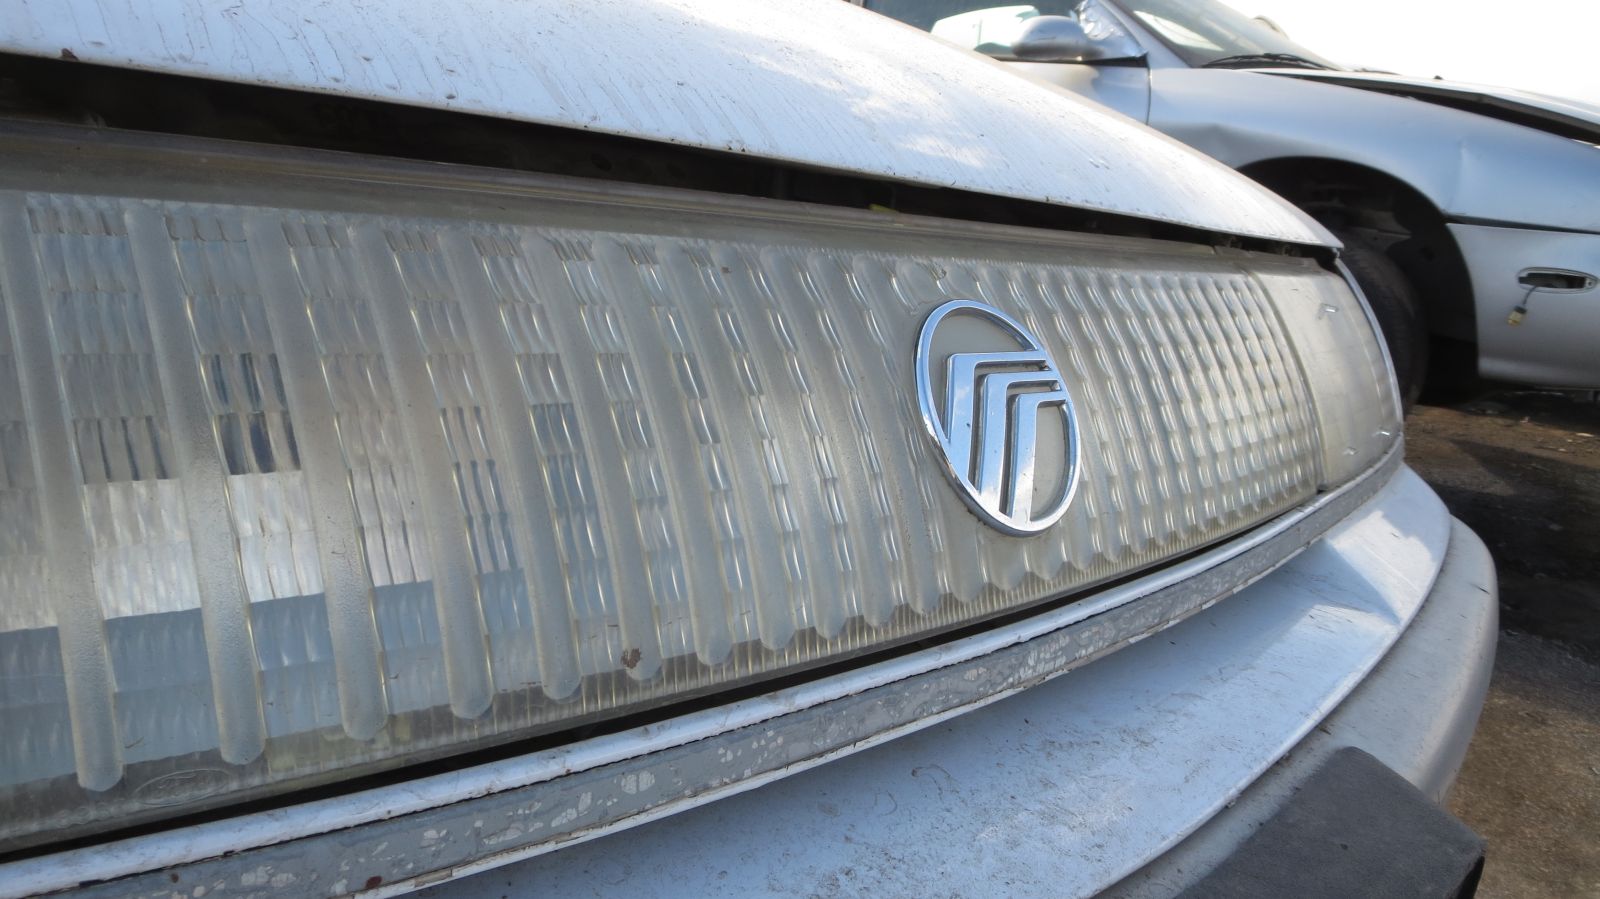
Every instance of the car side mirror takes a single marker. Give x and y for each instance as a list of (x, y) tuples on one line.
[(1064, 39)]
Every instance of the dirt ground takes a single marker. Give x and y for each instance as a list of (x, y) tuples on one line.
[(1523, 470)]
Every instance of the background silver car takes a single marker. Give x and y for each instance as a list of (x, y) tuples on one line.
[(1470, 215)]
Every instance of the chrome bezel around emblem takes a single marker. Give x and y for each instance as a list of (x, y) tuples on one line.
[(989, 420)]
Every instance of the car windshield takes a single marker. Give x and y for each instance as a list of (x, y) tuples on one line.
[(979, 25), (1201, 32), (927, 14), (1204, 32)]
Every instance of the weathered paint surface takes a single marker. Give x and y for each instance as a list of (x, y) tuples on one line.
[(815, 82)]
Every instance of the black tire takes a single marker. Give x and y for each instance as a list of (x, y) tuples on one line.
[(1399, 312)]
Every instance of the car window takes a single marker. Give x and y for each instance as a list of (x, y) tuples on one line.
[(925, 14), (1204, 31), (1174, 33), (990, 29), (1199, 31)]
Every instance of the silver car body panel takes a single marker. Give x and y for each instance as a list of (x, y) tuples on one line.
[(1522, 160), (1442, 664), (1574, 118), (1538, 192), (1554, 342), (1470, 166), (722, 76), (1125, 89)]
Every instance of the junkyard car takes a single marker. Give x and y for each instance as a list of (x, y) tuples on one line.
[(1470, 214), (431, 443)]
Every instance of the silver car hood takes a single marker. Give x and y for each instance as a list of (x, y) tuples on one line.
[(1556, 115), (811, 82)]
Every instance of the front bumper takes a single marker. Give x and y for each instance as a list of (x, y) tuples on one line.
[(1139, 773), (1414, 714)]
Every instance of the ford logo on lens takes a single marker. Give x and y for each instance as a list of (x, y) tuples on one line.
[(995, 404)]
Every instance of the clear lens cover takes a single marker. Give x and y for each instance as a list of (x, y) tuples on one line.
[(1352, 390), (313, 466)]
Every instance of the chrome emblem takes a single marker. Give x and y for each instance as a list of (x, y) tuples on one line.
[(995, 403)]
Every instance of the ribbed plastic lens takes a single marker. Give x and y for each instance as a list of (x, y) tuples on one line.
[(299, 481), (1358, 413)]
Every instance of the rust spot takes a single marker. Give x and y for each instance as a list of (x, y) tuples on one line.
[(374, 882), (173, 877), (68, 55), (630, 658)]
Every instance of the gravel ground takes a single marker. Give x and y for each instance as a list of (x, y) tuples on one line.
[(1523, 470)]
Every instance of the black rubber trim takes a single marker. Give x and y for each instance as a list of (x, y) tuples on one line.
[(1355, 828)]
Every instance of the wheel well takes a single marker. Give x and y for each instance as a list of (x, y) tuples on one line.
[(1389, 215)]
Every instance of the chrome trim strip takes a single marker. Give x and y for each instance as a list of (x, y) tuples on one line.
[(1478, 222), (654, 770)]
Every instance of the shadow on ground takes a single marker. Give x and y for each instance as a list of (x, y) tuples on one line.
[(1523, 470), (1531, 782)]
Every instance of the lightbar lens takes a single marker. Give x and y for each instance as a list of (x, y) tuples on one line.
[(315, 467), (1353, 393)]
